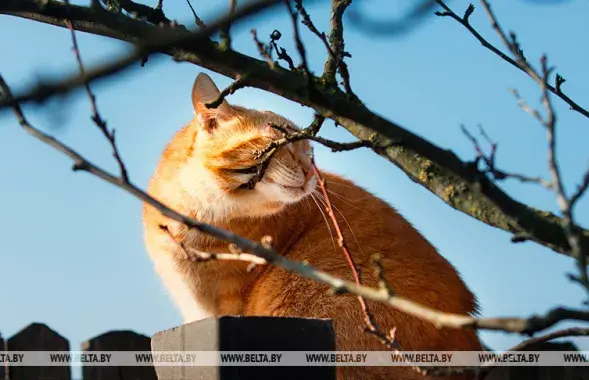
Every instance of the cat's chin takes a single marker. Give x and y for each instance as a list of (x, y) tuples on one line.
[(296, 193), (301, 192), (287, 194)]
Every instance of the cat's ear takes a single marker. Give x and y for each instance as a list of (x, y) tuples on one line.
[(205, 91)]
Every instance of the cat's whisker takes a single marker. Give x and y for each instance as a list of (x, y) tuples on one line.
[(325, 219), (338, 183), (346, 201), (322, 198), (350, 227), (308, 202)]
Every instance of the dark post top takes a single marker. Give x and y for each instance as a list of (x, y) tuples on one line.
[(247, 334)]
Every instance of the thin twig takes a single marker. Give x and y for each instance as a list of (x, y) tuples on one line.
[(192, 254), (239, 83), (335, 62), (309, 133), (387, 339), (490, 162), (565, 203), (573, 331), (501, 210), (297, 37), (340, 286), (528, 343), (197, 20), (154, 16), (311, 26), (96, 117), (281, 52), (299, 44), (484, 370), (581, 189), (513, 47), (225, 33), (163, 43), (264, 50), (333, 57), (542, 78), (266, 155)]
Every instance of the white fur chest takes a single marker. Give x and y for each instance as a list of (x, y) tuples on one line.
[(180, 289)]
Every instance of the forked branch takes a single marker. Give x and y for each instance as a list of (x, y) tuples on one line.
[(512, 44), (437, 169), (340, 286), (96, 117)]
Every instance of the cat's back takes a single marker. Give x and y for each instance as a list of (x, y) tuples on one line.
[(411, 266), (370, 225)]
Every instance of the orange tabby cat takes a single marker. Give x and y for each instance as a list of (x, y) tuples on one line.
[(200, 174)]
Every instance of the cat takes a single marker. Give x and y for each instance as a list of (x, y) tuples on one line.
[(199, 175)]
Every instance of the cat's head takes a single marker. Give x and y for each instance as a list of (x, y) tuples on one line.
[(225, 153)]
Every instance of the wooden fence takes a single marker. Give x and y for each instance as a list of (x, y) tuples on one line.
[(225, 334), (39, 337)]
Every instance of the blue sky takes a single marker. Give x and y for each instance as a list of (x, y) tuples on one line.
[(71, 246)]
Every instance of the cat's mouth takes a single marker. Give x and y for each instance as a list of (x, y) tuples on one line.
[(298, 191), (295, 191)]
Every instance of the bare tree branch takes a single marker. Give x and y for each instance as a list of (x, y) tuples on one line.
[(565, 203), (197, 20), (299, 45), (239, 83), (581, 189), (154, 16), (309, 133), (491, 168), (265, 51), (335, 62), (192, 254), (439, 170), (573, 331), (482, 371), (225, 32), (96, 117), (311, 26), (513, 46), (261, 250)]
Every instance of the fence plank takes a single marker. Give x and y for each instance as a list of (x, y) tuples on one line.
[(247, 334), (118, 341), (3, 369), (38, 337)]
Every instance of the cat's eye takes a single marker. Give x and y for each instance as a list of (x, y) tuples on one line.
[(245, 186), (250, 170)]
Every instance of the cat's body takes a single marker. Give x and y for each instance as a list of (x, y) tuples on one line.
[(192, 179)]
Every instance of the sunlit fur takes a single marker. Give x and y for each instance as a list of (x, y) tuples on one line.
[(192, 177), (233, 144)]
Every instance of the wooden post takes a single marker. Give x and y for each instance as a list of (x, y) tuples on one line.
[(247, 334), (118, 341), (38, 337), (3, 366)]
